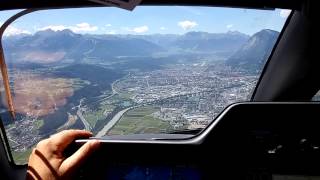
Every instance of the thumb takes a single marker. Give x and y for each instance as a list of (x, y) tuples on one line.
[(75, 160)]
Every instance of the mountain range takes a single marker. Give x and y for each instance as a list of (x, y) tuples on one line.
[(254, 53), (238, 49)]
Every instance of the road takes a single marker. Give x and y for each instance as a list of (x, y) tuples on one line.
[(84, 121), (79, 114), (112, 122)]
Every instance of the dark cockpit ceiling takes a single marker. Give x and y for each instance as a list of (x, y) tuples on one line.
[(260, 4)]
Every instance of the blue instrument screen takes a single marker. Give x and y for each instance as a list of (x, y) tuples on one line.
[(163, 172)]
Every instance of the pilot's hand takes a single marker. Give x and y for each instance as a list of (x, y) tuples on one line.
[(47, 160)]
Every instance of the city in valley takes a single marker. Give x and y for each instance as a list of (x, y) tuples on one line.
[(174, 97)]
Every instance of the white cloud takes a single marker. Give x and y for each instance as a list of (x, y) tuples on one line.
[(54, 28), (284, 13), (81, 27), (11, 31), (86, 27), (108, 25), (187, 24), (163, 28), (229, 26), (140, 29)]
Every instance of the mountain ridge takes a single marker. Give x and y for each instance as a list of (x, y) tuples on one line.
[(50, 46), (254, 53)]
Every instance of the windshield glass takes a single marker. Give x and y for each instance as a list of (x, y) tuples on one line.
[(114, 72)]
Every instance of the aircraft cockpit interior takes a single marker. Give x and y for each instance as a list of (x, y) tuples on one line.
[(170, 90)]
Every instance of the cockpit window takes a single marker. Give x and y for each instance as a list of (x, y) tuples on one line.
[(316, 97), (113, 72)]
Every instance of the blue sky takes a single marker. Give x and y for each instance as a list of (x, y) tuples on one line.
[(149, 20)]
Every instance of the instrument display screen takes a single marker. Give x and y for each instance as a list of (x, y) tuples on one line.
[(125, 171)]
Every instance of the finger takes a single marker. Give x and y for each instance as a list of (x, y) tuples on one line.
[(75, 160), (64, 138)]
